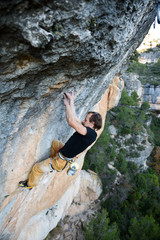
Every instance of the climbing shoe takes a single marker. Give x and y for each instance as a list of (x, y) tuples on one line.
[(24, 184)]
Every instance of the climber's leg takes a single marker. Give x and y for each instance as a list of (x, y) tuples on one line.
[(37, 171), (44, 166), (56, 146)]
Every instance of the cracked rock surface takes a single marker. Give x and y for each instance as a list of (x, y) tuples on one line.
[(47, 48)]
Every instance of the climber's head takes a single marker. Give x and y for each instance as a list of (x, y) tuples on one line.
[(93, 120)]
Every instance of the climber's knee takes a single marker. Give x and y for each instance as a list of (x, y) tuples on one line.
[(36, 168), (56, 146)]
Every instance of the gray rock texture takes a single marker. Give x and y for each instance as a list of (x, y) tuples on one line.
[(147, 93), (143, 148), (151, 94), (112, 130), (150, 56), (47, 48), (137, 147), (132, 83)]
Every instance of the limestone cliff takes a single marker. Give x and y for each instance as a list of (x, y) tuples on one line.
[(23, 212), (47, 48), (148, 93), (144, 78)]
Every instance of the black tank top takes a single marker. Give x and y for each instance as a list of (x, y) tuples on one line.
[(77, 143)]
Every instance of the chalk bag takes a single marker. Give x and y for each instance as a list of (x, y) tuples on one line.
[(73, 169)]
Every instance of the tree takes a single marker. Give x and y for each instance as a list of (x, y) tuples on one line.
[(121, 163), (129, 100), (145, 106), (100, 228), (145, 228), (156, 164), (135, 97)]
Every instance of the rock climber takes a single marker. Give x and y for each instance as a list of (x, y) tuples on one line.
[(62, 154)]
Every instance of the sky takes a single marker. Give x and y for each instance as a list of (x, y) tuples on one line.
[(150, 41), (155, 32)]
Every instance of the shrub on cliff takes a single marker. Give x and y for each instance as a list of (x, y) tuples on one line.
[(145, 106), (155, 164), (134, 56), (100, 228), (129, 100), (120, 163), (148, 73), (155, 128), (145, 228), (130, 117)]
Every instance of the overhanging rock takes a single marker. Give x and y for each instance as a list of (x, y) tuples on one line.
[(48, 48)]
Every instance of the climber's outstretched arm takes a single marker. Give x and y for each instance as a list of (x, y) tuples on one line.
[(71, 116)]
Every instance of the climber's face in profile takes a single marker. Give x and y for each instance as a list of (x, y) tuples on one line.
[(86, 122)]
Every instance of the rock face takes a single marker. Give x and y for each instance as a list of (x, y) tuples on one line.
[(143, 153), (90, 190), (151, 94), (82, 209), (48, 48), (138, 148), (132, 83), (22, 210), (147, 93), (151, 56), (86, 184)]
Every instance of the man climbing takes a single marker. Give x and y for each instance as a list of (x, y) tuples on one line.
[(62, 154)]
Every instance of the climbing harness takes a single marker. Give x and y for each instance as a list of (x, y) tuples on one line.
[(73, 165), (68, 160)]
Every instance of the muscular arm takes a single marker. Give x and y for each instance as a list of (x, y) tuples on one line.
[(71, 116)]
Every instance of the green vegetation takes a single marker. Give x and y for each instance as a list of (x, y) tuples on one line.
[(145, 106), (100, 228), (57, 30), (148, 73), (131, 210), (130, 118), (134, 56), (146, 226), (135, 197), (155, 128)]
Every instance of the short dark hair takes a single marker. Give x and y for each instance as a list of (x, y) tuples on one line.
[(97, 119)]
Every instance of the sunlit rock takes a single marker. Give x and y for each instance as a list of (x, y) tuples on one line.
[(47, 48)]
